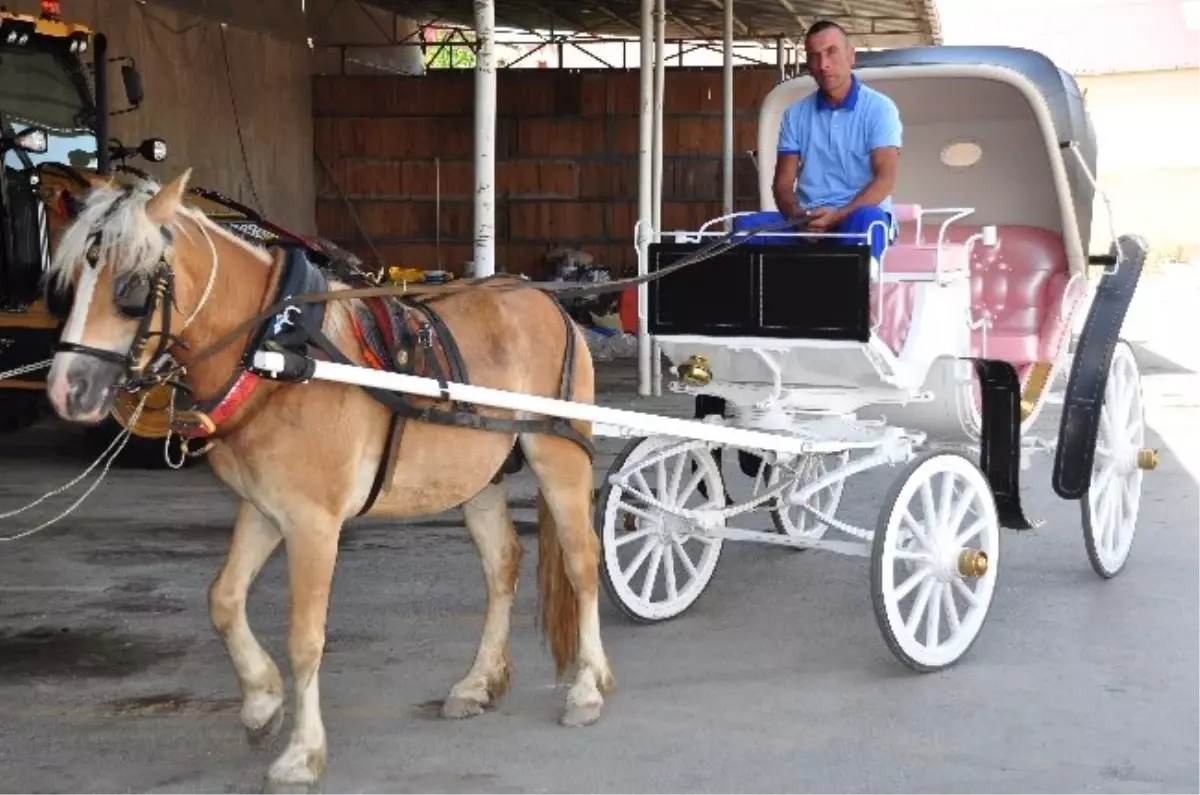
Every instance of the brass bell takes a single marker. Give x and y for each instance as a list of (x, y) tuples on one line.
[(695, 371)]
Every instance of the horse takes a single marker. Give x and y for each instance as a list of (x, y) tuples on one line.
[(303, 458)]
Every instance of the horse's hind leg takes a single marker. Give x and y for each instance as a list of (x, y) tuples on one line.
[(495, 537), (568, 578), (254, 539)]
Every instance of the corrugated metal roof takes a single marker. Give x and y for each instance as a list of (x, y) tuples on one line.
[(875, 23), (1083, 36)]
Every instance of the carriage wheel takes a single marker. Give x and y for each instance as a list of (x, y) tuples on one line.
[(654, 565), (793, 520), (1109, 508), (936, 550)]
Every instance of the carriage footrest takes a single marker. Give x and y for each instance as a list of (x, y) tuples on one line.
[(285, 365)]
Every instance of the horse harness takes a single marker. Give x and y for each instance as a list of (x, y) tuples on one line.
[(423, 343)]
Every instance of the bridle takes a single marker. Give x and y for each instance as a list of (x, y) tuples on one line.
[(137, 296)]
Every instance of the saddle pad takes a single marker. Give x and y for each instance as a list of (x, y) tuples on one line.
[(397, 337)]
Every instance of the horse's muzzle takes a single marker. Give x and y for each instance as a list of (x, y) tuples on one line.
[(82, 388)]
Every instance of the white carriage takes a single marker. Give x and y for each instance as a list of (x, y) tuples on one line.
[(937, 360), (820, 363)]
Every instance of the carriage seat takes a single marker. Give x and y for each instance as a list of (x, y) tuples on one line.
[(918, 253), (1018, 287)]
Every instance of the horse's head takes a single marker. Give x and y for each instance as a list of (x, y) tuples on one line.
[(114, 283)]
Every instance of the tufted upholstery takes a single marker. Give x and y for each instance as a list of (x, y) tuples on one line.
[(1018, 285)]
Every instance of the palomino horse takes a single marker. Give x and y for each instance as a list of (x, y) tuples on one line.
[(303, 458)]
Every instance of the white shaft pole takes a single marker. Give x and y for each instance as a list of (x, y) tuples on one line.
[(485, 139), (534, 404), (645, 196), (727, 117)]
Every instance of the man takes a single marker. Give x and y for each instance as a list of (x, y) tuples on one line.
[(842, 142)]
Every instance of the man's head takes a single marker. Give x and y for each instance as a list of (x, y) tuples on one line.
[(830, 56)]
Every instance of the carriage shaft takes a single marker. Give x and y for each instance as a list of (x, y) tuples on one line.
[(856, 548), (649, 424)]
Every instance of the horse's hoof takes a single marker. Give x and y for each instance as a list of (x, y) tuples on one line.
[(578, 715), (461, 708), (266, 734), (274, 787)]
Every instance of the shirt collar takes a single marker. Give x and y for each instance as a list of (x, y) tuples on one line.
[(848, 103)]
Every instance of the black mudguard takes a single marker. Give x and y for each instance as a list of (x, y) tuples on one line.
[(1089, 372), (1000, 439)]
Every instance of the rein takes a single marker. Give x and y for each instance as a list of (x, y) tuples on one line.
[(557, 289)]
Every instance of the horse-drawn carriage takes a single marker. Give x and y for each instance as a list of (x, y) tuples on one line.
[(810, 360), (939, 356)]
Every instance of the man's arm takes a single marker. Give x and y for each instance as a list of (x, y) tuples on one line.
[(787, 165)]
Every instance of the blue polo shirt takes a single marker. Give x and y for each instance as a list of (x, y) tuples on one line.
[(835, 143)]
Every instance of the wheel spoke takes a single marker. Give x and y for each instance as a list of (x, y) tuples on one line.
[(685, 559), (916, 529), (692, 485), (634, 536), (640, 513), (652, 572), (913, 581), (966, 535), (669, 570), (676, 477), (966, 592), (951, 609), (947, 503), (965, 499), (929, 512), (914, 618), (643, 484), (642, 554), (660, 469), (906, 554), (933, 616), (1106, 474)]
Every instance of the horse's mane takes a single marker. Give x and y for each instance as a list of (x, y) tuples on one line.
[(118, 216)]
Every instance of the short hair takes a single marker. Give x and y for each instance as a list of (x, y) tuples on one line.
[(824, 24)]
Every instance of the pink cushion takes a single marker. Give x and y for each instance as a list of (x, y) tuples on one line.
[(904, 257), (898, 300), (1018, 285)]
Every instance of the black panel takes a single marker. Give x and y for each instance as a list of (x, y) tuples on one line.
[(21, 268), (803, 290)]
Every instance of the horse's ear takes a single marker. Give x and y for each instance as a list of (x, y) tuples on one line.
[(96, 180), (163, 205)]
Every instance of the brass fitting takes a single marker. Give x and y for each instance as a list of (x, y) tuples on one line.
[(695, 371), (1147, 458), (972, 563)]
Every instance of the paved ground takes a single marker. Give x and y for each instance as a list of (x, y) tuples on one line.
[(777, 680)]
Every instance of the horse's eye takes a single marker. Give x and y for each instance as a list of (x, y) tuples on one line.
[(131, 294)]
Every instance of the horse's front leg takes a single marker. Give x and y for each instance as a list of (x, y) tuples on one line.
[(312, 553), (254, 539)]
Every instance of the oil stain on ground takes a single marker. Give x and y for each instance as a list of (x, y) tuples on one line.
[(81, 652)]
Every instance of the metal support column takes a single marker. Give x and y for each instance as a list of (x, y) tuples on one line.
[(727, 114), (779, 62), (644, 230), (660, 64), (485, 139)]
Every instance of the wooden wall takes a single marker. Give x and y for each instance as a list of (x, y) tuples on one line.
[(188, 102), (567, 158)]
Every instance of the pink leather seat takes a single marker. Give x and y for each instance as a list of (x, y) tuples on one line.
[(1018, 286)]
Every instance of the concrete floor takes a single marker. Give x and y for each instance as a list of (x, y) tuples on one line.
[(776, 680)]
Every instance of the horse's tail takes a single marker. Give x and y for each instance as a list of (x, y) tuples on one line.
[(560, 605)]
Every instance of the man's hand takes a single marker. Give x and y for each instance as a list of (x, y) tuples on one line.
[(822, 219)]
